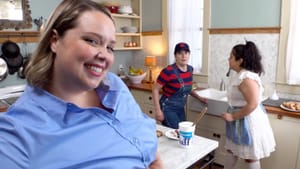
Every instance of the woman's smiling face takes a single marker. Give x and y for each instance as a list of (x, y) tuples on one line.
[(84, 53)]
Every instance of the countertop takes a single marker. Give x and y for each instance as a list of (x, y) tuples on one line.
[(143, 86), (272, 107), (176, 157)]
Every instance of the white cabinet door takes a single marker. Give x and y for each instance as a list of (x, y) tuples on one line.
[(139, 97), (214, 134), (286, 132), (298, 160), (144, 99), (287, 136), (212, 127)]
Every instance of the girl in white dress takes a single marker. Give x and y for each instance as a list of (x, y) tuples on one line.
[(249, 134)]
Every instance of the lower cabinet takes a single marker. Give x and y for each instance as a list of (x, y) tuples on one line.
[(212, 127), (287, 137), (145, 100)]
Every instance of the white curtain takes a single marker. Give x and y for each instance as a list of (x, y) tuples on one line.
[(185, 22), (293, 50)]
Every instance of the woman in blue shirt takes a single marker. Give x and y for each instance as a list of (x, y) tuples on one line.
[(73, 112)]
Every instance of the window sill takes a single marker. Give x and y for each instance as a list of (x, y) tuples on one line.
[(287, 88)]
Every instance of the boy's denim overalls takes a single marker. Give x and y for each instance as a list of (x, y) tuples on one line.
[(173, 106)]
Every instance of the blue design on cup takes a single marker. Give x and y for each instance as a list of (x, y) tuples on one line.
[(185, 138)]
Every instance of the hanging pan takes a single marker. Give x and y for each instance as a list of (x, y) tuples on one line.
[(3, 69), (12, 56)]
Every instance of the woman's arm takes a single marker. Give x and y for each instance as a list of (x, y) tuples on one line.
[(195, 95), (155, 94), (250, 90)]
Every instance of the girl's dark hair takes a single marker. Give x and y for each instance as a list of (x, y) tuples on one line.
[(250, 55)]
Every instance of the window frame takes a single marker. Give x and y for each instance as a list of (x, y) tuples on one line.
[(281, 82), (203, 75)]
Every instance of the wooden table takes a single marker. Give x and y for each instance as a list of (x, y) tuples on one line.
[(176, 157)]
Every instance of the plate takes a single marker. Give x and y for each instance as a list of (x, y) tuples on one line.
[(171, 134), (287, 109)]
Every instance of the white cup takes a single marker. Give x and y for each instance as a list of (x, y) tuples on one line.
[(186, 133)]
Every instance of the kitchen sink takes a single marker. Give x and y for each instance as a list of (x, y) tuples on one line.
[(9, 95), (11, 100), (216, 100)]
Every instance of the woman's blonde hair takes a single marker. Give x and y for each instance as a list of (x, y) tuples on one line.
[(64, 17)]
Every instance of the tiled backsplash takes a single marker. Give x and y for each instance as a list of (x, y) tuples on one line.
[(220, 46)]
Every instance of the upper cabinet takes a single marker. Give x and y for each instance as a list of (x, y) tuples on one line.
[(128, 20), (127, 16), (152, 21)]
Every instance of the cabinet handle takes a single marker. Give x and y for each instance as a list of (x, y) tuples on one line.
[(216, 135), (150, 98)]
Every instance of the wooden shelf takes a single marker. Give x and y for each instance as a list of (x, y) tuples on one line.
[(19, 36), (129, 48), (128, 34), (126, 16), (122, 20), (244, 30)]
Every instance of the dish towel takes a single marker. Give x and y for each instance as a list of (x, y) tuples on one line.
[(238, 130)]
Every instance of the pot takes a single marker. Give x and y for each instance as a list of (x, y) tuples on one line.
[(3, 69), (21, 71), (12, 56)]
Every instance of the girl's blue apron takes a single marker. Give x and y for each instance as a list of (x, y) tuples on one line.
[(238, 131), (173, 106)]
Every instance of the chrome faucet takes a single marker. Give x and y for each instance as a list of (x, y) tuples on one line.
[(222, 85)]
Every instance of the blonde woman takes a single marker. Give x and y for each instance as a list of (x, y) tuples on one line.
[(74, 113)]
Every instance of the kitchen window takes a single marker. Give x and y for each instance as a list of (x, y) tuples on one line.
[(282, 84), (185, 24), (293, 51)]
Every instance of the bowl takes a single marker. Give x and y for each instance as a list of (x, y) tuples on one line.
[(129, 29), (113, 8), (125, 9), (136, 79)]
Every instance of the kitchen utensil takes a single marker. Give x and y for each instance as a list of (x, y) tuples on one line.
[(3, 69), (228, 72), (12, 56), (21, 71), (200, 115)]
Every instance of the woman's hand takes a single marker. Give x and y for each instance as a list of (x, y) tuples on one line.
[(159, 115), (227, 116), (157, 163), (203, 100), (195, 95)]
